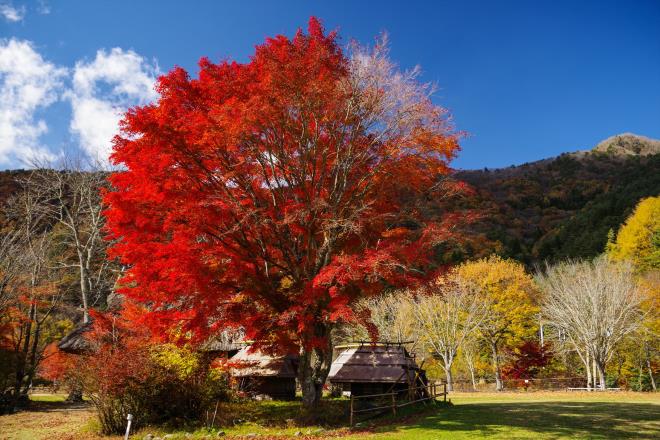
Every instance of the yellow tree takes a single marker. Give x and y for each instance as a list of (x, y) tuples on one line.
[(638, 240), (511, 295), (647, 338)]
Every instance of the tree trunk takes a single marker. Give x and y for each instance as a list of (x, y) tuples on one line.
[(648, 366), (496, 365), (587, 366), (84, 288), (470, 364), (594, 372), (75, 394), (21, 362), (450, 382), (600, 366), (314, 367), (31, 367)]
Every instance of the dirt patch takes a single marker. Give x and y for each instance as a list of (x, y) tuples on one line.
[(49, 420)]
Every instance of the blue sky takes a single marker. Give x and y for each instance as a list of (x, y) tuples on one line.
[(526, 79)]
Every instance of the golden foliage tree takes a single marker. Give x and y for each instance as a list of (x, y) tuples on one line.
[(638, 240), (446, 314), (647, 339), (511, 297)]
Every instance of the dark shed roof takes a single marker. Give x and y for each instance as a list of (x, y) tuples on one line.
[(76, 342), (382, 363), (225, 341)]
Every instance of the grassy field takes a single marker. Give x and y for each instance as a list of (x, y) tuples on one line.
[(547, 415)]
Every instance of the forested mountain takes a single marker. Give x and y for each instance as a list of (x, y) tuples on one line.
[(545, 210), (563, 206)]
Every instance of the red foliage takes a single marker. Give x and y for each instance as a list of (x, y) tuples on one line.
[(119, 355), (56, 364), (255, 195), (527, 360)]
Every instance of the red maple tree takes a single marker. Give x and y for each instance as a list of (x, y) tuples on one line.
[(269, 195)]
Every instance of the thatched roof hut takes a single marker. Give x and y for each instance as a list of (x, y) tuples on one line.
[(367, 368), (261, 374), (76, 342), (226, 344)]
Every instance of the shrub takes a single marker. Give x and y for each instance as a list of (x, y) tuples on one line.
[(527, 361), (157, 383)]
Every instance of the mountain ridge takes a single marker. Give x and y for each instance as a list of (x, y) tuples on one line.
[(553, 208), (562, 206)]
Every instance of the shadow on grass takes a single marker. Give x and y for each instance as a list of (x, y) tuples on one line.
[(56, 405), (331, 413), (604, 420)]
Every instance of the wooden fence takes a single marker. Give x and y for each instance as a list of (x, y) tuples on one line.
[(397, 399)]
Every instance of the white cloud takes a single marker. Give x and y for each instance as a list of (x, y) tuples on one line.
[(10, 13), (43, 7), (99, 92), (102, 90), (28, 83)]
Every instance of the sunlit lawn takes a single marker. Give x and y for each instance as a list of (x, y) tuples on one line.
[(48, 397), (547, 415), (542, 415)]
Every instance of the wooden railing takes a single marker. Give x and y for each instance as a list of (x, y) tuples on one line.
[(391, 401)]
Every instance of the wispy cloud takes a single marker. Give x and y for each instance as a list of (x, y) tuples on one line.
[(43, 7), (28, 83), (11, 13), (101, 92)]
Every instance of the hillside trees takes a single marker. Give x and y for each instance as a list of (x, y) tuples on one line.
[(10, 267), (67, 198), (638, 240), (32, 294), (557, 208), (53, 265), (273, 194)]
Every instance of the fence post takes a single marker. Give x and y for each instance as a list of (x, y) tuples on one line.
[(444, 391), (394, 404), (128, 426), (350, 423)]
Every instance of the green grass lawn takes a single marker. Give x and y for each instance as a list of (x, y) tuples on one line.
[(44, 397), (535, 416)]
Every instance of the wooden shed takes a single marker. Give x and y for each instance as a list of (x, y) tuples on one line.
[(260, 374), (375, 368)]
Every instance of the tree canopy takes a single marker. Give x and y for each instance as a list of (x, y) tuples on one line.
[(638, 239), (271, 194)]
